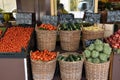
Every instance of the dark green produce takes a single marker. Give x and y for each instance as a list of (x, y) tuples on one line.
[(70, 26)]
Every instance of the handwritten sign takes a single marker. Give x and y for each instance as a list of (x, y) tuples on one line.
[(113, 16), (88, 42), (25, 18), (65, 18), (92, 17), (50, 20)]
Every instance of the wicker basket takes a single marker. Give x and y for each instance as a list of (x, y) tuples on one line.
[(46, 39), (71, 70), (97, 71), (87, 35), (70, 40), (43, 70)]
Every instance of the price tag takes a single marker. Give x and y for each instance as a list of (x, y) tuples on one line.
[(50, 20), (92, 17)]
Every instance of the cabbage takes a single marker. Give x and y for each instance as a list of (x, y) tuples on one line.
[(106, 45), (107, 50), (91, 47), (103, 57), (95, 54), (99, 47), (96, 60), (87, 53), (97, 41), (89, 59)]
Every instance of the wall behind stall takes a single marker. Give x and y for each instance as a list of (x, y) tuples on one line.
[(39, 7)]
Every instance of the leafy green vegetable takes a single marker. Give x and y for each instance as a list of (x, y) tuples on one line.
[(107, 50), (95, 54), (96, 60), (103, 57), (99, 47), (87, 53), (97, 41), (89, 59), (91, 47)]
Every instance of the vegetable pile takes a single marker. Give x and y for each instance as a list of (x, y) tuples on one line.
[(15, 39), (70, 26), (44, 55), (70, 57), (92, 28), (98, 52), (47, 27), (114, 40)]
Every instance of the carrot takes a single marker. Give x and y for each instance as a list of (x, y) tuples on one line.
[(44, 55), (47, 27)]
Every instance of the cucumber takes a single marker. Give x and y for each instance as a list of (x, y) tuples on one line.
[(61, 58), (74, 57), (71, 58)]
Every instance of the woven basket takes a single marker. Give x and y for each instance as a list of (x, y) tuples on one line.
[(97, 71), (43, 70), (71, 70), (46, 39), (70, 40), (87, 35)]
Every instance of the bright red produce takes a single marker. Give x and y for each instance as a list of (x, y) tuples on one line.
[(15, 39), (44, 55), (114, 40), (47, 27)]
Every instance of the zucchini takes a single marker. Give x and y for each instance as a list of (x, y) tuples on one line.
[(74, 57), (61, 58), (71, 58)]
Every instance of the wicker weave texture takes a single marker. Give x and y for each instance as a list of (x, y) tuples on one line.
[(46, 39), (87, 35), (70, 40), (71, 70), (97, 71), (43, 70)]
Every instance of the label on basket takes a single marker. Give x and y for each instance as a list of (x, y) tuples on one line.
[(50, 20), (113, 16), (92, 17), (88, 42)]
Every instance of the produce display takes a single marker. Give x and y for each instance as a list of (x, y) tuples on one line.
[(70, 26), (92, 28), (44, 55), (70, 57), (15, 38), (114, 40), (98, 52), (47, 27)]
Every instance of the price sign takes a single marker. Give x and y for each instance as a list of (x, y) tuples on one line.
[(113, 16), (25, 18), (65, 18), (92, 17), (50, 20)]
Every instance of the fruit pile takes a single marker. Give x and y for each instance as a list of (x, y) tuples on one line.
[(114, 40), (15, 38), (44, 55), (0, 32), (47, 27)]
